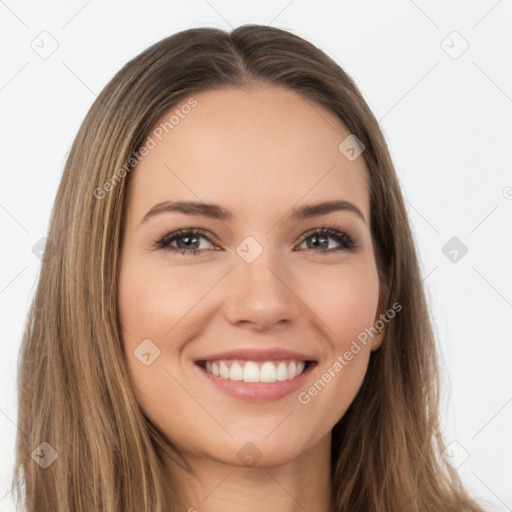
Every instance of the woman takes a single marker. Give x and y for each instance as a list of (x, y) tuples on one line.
[(232, 315)]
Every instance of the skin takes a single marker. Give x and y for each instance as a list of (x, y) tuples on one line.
[(259, 152)]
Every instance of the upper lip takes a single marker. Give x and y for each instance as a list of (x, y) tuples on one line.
[(251, 354)]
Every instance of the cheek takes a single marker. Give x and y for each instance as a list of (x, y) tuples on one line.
[(345, 301), (153, 300), (148, 308), (349, 302)]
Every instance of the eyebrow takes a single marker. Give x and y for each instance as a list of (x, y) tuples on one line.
[(220, 213)]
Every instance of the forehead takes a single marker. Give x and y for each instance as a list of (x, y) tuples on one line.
[(257, 151)]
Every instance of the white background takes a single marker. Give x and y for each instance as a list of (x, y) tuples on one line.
[(447, 120)]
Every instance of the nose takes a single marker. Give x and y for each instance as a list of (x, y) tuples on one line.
[(261, 294)]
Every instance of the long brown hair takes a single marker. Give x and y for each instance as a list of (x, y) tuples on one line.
[(74, 387)]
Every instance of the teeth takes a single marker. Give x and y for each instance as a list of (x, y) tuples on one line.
[(223, 370), (268, 372), (282, 372), (251, 371), (236, 372), (292, 369)]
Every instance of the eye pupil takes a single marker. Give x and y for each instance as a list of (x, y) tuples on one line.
[(189, 242), (322, 238)]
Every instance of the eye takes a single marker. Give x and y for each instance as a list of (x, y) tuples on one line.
[(321, 236), (188, 241)]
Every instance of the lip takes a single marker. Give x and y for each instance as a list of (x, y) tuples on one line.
[(251, 354), (258, 391)]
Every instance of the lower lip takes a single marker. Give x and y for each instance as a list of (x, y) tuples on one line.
[(258, 391)]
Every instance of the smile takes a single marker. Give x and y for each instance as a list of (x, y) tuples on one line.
[(255, 371), (259, 379)]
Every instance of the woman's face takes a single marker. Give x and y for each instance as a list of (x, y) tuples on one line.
[(253, 298)]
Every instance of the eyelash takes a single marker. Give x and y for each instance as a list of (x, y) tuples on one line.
[(348, 243)]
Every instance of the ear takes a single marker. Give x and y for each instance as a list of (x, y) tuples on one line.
[(382, 317)]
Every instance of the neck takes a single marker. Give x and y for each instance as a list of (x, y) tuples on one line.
[(209, 485)]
